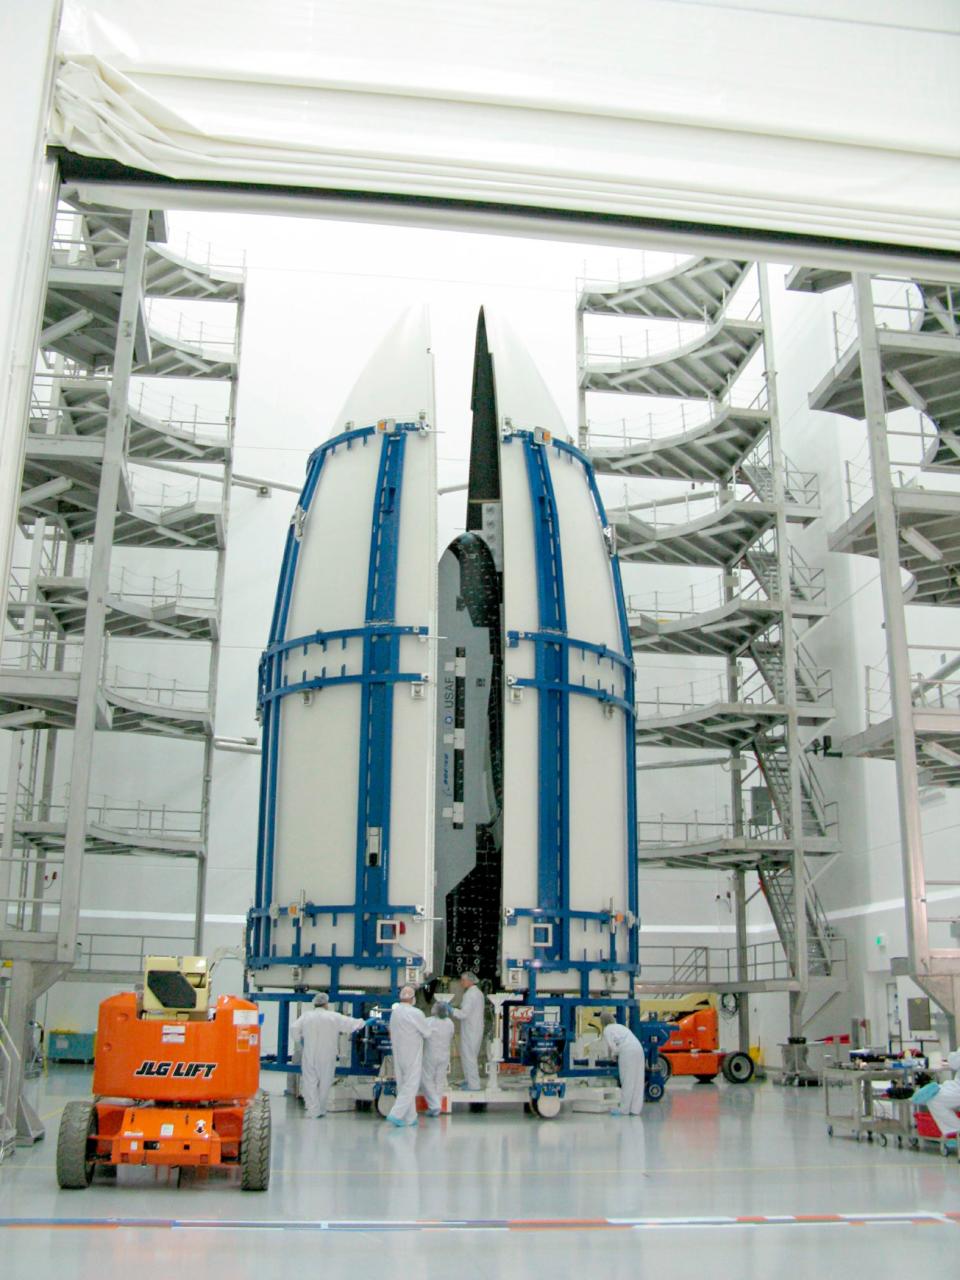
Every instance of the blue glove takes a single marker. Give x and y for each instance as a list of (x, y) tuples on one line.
[(924, 1094)]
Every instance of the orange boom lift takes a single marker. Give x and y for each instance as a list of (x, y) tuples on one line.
[(175, 1083), (694, 1047)]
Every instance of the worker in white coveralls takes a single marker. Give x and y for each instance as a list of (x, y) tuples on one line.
[(408, 1034), (436, 1057), (470, 1017), (945, 1105), (623, 1045), (318, 1031)]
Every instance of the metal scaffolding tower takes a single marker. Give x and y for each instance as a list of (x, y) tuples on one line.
[(121, 328), (898, 349), (711, 422)]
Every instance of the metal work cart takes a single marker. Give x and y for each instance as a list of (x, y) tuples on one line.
[(854, 1086)]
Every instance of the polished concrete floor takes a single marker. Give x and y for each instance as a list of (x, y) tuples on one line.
[(462, 1196)]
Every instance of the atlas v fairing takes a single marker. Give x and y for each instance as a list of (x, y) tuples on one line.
[(448, 776)]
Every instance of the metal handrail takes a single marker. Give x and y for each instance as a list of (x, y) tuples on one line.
[(932, 692), (170, 411), (65, 654), (697, 694), (92, 953), (160, 691), (664, 833), (205, 335), (195, 250), (808, 584), (74, 243), (154, 590), (634, 279), (103, 810), (691, 505), (41, 652), (161, 499), (688, 602), (905, 473), (690, 966), (904, 309)]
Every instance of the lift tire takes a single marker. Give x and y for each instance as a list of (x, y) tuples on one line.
[(363, 1104), (664, 1068), (738, 1068), (706, 1079), (75, 1163), (255, 1144), (654, 1091)]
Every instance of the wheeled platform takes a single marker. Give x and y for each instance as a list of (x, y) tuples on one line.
[(174, 1085), (851, 1104)]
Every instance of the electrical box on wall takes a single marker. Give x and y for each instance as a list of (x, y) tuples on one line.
[(918, 1013)]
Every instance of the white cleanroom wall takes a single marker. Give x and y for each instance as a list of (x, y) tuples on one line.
[(837, 122)]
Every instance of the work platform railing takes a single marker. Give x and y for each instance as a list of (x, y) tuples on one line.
[(102, 954), (915, 435), (150, 590), (937, 690), (703, 967), (157, 821), (706, 499), (756, 689), (902, 308), (647, 425), (168, 320), (58, 655), (146, 401)]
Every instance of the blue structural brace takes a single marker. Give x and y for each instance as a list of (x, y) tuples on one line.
[(381, 656), (551, 676)]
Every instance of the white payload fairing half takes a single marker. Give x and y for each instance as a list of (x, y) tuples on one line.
[(448, 777)]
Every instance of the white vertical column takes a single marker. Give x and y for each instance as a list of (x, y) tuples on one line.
[(95, 616), (895, 628), (213, 672), (801, 958), (28, 186)]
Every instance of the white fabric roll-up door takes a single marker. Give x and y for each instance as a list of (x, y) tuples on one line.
[(815, 117)]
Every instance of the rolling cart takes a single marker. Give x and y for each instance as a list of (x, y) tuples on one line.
[(850, 1102)]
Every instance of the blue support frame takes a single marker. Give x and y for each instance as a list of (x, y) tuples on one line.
[(381, 656), (552, 682)]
